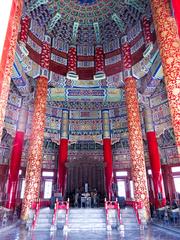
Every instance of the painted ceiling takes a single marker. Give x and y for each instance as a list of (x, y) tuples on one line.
[(86, 21), (81, 22)]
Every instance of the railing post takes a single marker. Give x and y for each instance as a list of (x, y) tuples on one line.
[(107, 217), (54, 221), (65, 229), (121, 226), (38, 204)]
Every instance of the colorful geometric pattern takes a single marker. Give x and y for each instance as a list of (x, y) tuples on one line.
[(85, 94), (106, 124), (85, 13), (65, 124)]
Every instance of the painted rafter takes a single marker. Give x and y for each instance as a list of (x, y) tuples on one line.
[(97, 32), (75, 32), (37, 4), (119, 22), (137, 4), (53, 22)]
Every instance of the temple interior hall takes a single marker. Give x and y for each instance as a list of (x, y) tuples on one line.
[(89, 119)]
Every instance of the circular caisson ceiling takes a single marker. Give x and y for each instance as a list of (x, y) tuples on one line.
[(86, 21)]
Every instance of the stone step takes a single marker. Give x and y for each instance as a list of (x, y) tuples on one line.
[(127, 211), (46, 210), (43, 226), (112, 219), (87, 221), (128, 214), (60, 221), (132, 220), (86, 216), (46, 213), (88, 209), (44, 220), (90, 226), (61, 212), (129, 219), (86, 213), (129, 223), (129, 228)]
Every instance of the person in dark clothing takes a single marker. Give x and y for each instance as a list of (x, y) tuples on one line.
[(52, 201), (174, 204)]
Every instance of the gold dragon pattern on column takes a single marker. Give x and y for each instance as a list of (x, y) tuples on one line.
[(134, 129), (33, 171), (5, 82), (35, 152), (169, 45), (136, 144)]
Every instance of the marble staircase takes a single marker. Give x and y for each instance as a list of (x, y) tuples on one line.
[(61, 219), (129, 219), (91, 219), (44, 220), (113, 221)]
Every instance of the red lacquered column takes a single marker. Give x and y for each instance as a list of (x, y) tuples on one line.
[(176, 8), (169, 46), (160, 199), (16, 159), (7, 53), (168, 183), (34, 164), (19, 137), (135, 133), (107, 153), (9, 31), (63, 151)]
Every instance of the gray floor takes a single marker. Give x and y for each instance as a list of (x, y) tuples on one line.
[(152, 233)]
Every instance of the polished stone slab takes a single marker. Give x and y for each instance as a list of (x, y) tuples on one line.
[(151, 233)]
